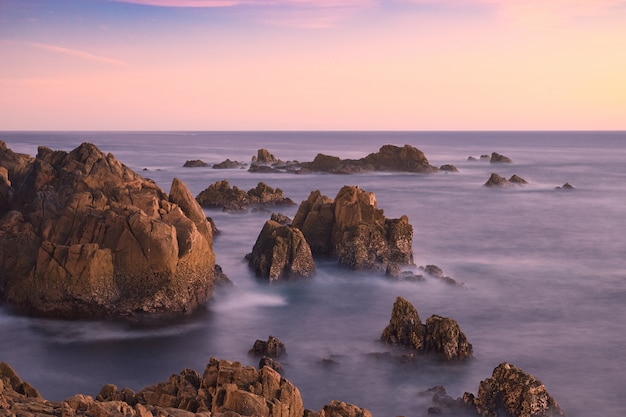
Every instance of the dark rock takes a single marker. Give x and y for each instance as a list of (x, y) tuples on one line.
[(221, 278), (388, 158), (228, 164), (394, 272), (485, 156), (264, 157), (281, 253), (272, 363), (195, 163), (496, 180), (221, 195), (436, 272), (281, 219), (441, 336), (96, 239), (341, 409), (354, 230), (448, 168), (272, 348), (566, 186), (496, 158), (515, 392), (471, 158)]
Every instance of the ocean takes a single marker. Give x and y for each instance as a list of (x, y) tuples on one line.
[(544, 273)]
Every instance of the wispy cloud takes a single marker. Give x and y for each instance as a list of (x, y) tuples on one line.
[(69, 52)]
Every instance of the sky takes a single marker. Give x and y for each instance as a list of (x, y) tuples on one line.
[(312, 65)]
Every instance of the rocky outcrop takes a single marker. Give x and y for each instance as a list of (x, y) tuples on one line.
[(272, 348), (515, 392), (281, 253), (228, 164), (496, 180), (195, 163), (388, 158), (221, 195), (448, 168), (566, 186), (436, 272), (441, 336), (496, 158), (353, 229), (97, 239), (339, 409)]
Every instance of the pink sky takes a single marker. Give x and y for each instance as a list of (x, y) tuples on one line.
[(313, 65)]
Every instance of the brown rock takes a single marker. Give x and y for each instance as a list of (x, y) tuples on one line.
[(517, 393), (496, 180), (195, 163), (272, 348), (98, 239), (448, 168), (444, 336), (281, 252), (316, 218), (405, 326), (496, 158), (222, 195)]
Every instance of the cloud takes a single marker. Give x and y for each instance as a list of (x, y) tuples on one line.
[(69, 52)]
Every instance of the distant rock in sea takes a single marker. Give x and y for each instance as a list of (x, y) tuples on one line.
[(98, 240), (496, 180), (195, 163), (221, 195), (228, 164), (448, 168), (496, 158), (566, 186)]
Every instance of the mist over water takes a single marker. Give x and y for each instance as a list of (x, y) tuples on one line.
[(544, 273)]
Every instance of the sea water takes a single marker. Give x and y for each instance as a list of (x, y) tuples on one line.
[(544, 273)]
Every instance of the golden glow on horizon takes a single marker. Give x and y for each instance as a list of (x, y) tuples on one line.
[(401, 72)]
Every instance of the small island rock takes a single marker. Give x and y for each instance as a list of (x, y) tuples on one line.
[(195, 163), (496, 158)]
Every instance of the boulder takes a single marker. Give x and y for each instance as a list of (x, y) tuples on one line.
[(338, 408), (353, 229), (221, 195), (496, 180), (388, 158), (281, 253), (436, 272), (515, 392), (195, 163), (272, 348), (441, 336), (496, 158), (228, 164), (448, 168), (99, 240)]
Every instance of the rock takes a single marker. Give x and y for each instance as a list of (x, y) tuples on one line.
[(436, 272), (281, 219), (195, 163), (388, 158), (221, 195), (485, 156), (496, 180), (471, 158), (352, 229), (221, 278), (341, 409), (98, 240), (281, 253), (566, 186), (496, 158), (515, 392), (272, 348), (228, 164), (448, 168), (440, 335), (264, 157), (272, 363)]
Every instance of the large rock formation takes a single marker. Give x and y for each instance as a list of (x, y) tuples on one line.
[(388, 158), (515, 392), (353, 229), (496, 180), (440, 335), (496, 158), (281, 253), (97, 239), (221, 195)]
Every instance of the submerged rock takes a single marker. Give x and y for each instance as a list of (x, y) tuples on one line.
[(353, 229), (281, 253), (440, 335), (515, 392), (96, 239)]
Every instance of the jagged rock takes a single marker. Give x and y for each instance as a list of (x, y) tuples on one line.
[(339, 409), (496, 158), (228, 164), (515, 392), (448, 168), (471, 158), (354, 230), (436, 272), (485, 156), (220, 277), (440, 335), (264, 157), (272, 348), (281, 253), (195, 163), (96, 239), (272, 363), (496, 180), (281, 219), (221, 195), (388, 158), (394, 272)]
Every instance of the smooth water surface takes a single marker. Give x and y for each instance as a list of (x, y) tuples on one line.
[(544, 273)]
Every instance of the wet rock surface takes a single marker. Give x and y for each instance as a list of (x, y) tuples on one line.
[(97, 240)]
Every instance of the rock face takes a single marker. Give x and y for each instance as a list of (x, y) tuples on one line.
[(281, 253), (339, 409), (388, 158), (221, 195), (517, 393), (272, 348), (496, 180), (354, 230), (97, 239), (440, 335), (496, 158)]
